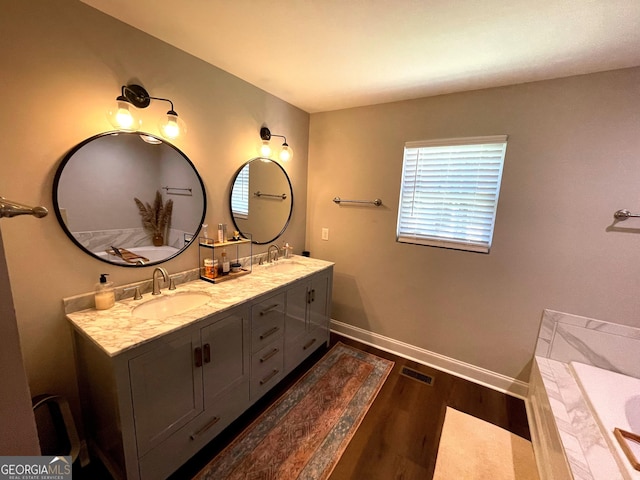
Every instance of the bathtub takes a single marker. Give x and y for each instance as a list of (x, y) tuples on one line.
[(154, 254), (615, 402)]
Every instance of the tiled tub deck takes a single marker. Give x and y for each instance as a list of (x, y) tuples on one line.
[(567, 439)]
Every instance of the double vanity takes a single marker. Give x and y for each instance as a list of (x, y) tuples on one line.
[(160, 377)]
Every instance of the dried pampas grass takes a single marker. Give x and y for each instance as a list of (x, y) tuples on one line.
[(156, 218)]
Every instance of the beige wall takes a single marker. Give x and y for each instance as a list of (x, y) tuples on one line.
[(573, 158), (63, 64)]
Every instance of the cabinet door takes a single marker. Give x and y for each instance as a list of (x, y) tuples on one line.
[(319, 305), (296, 312), (166, 389), (225, 354)]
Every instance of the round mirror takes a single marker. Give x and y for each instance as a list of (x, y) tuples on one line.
[(261, 200), (129, 199)]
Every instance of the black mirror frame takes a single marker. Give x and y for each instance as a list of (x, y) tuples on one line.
[(56, 206), (233, 181)]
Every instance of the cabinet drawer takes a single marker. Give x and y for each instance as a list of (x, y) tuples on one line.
[(272, 307), (267, 321), (164, 459), (267, 368), (303, 346)]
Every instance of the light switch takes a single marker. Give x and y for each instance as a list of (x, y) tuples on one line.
[(325, 234)]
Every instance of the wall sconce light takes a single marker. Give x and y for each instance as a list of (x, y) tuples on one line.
[(123, 117), (265, 150)]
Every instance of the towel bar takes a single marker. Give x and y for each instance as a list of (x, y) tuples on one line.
[(624, 214), (377, 202), (283, 196), (11, 209)]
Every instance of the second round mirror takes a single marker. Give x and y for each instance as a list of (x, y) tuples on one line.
[(261, 200)]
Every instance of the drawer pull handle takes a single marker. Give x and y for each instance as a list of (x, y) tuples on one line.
[(269, 377), (197, 353), (269, 309), (309, 343), (206, 353), (269, 332), (205, 428), (269, 355)]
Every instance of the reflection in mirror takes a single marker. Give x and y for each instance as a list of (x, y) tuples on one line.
[(261, 200), (94, 191)]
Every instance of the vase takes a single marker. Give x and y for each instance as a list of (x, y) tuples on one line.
[(158, 241)]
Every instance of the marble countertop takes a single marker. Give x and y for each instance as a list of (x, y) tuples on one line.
[(117, 330)]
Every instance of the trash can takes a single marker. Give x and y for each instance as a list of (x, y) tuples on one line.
[(56, 429)]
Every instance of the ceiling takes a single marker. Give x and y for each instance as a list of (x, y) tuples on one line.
[(322, 55)]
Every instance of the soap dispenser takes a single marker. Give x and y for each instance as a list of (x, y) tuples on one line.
[(105, 296), (287, 251)]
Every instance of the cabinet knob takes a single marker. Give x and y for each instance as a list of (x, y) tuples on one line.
[(197, 355)]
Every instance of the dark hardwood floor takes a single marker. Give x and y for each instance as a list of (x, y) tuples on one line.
[(399, 436)]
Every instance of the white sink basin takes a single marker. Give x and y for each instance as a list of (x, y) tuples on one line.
[(283, 266), (166, 306)]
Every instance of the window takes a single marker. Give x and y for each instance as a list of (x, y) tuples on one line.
[(240, 194), (449, 192)]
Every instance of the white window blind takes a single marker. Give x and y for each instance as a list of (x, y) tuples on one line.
[(240, 194), (449, 192)]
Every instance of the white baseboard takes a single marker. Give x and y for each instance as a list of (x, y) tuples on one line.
[(487, 378)]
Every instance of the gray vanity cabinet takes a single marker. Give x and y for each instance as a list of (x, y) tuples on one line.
[(307, 317), (152, 408)]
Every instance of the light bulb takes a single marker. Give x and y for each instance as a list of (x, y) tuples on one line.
[(121, 117), (265, 149), (286, 153), (124, 118), (173, 126)]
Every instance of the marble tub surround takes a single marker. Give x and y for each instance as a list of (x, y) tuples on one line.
[(567, 439), (101, 240), (572, 338), (117, 329), (620, 409)]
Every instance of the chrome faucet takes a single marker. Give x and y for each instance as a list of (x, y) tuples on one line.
[(156, 286), (269, 252)]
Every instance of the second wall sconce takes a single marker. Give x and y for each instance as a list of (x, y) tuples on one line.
[(123, 117), (265, 150)]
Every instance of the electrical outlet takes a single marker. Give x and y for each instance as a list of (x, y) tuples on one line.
[(325, 234)]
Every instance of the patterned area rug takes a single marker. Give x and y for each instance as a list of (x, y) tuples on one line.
[(303, 434)]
